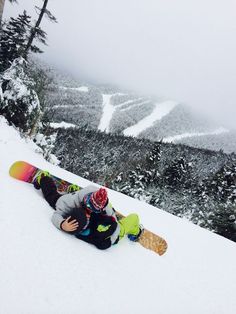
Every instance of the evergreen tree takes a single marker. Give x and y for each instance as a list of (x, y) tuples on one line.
[(14, 36), (17, 36), (224, 221), (36, 32), (178, 174)]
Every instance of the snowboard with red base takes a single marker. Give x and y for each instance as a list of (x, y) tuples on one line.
[(26, 172)]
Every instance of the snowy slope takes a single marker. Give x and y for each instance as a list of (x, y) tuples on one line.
[(44, 270)]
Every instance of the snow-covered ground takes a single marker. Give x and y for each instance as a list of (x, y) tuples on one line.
[(158, 113), (63, 124), (44, 270), (179, 137), (108, 110), (84, 89)]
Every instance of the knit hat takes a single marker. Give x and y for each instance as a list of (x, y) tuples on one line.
[(80, 215), (96, 201)]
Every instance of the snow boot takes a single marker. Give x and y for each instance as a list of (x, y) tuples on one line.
[(39, 175), (134, 238)]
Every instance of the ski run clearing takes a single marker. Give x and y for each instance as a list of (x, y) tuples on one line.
[(84, 89), (158, 113), (176, 138), (161, 110), (46, 271)]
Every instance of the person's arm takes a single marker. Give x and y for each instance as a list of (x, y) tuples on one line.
[(64, 224), (109, 211), (68, 225)]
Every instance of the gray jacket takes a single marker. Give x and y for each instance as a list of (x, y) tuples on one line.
[(70, 201)]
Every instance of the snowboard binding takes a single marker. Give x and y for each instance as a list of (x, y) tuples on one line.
[(39, 175), (134, 238)]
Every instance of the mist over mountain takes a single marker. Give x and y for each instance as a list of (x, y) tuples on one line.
[(110, 109)]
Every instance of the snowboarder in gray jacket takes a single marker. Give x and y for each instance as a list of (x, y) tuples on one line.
[(86, 213)]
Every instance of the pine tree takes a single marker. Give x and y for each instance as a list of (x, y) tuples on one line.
[(223, 221), (17, 36), (36, 32), (178, 174), (14, 36)]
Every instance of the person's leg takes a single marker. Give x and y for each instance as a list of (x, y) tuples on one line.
[(129, 225), (49, 190), (101, 245)]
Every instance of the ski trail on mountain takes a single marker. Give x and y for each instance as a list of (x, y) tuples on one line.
[(108, 110), (134, 104), (128, 102), (161, 110), (179, 137), (84, 89)]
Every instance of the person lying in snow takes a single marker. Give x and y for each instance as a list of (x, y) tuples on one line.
[(87, 214)]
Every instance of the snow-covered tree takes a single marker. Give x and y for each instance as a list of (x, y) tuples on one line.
[(223, 221), (14, 36), (19, 102), (178, 173), (18, 35)]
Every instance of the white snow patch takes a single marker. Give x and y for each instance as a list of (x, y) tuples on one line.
[(125, 103), (63, 125), (67, 106), (108, 110), (135, 105), (179, 137), (158, 113), (84, 89)]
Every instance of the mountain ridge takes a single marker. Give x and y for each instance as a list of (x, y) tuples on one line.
[(91, 105)]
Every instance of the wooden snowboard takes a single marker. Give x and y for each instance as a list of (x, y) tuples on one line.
[(26, 172)]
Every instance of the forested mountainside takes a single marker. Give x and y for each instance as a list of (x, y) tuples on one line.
[(83, 104), (197, 184)]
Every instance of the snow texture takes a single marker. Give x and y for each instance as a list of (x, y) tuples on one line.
[(84, 89), (44, 270), (19, 90), (179, 137), (63, 125), (158, 113)]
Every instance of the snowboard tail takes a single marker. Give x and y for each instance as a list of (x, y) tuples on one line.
[(23, 171), (150, 240), (26, 172)]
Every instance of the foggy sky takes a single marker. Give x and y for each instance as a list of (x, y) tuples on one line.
[(184, 50)]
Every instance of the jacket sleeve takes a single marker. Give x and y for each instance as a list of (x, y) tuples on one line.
[(57, 219), (109, 211)]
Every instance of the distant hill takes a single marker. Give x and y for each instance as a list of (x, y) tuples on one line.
[(110, 109)]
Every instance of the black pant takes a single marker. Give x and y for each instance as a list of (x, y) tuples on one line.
[(49, 190), (100, 239)]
